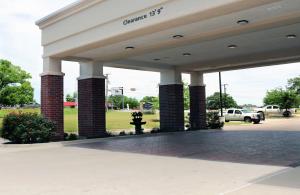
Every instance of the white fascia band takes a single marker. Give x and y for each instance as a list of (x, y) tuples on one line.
[(170, 77), (90, 70), (197, 79), (52, 66)]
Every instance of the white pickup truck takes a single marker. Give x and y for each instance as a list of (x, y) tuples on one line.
[(274, 110), (242, 115)]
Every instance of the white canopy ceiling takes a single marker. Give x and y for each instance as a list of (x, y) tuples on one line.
[(211, 39)]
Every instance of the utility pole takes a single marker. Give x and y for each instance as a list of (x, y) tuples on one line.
[(225, 88), (106, 91), (122, 88), (118, 91), (221, 96), (225, 95)]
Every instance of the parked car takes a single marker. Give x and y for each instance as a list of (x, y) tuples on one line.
[(234, 114), (274, 110)]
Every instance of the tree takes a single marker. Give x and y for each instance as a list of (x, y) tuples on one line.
[(273, 97), (15, 89), (186, 96), (153, 100), (132, 102), (116, 100), (71, 97), (286, 99), (213, 101), (294, 84)]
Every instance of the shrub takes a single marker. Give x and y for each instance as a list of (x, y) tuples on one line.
[(27, 128), (122, 133), (213, 121), (70, 137), (187, 122), (155, 130), (108, 134), (73, 136), (66, 136)]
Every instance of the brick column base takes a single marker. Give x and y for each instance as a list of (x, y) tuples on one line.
[(197, 107), (91, 107), (52, 102), (171, 107)]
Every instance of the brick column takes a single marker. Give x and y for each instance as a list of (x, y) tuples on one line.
[(52, 99), (91, 107), (171, 107), (197, 107)]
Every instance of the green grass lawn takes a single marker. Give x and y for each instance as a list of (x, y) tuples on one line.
[(115, 120)]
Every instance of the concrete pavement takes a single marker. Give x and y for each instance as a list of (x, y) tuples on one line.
[(274, 124), (162, 164), (74, 170), (282, 182)]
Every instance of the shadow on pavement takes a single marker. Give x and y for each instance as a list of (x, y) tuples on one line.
[(281, 148), (288, 178)]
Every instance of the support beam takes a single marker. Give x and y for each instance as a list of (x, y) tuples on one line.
[(52, 95), (171, 101), (197, 102), (91, 100)]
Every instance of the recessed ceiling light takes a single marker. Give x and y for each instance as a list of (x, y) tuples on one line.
[(291, 36), (157, 59), (232, 46), (129, 48), (177, 36), (186, 54), (243, 22)]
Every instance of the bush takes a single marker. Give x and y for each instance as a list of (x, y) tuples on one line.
[(187, 121), (213, 121), (108, 134), (149, 112), (70, 137), (155, 130), (122, 133), (27, 128)]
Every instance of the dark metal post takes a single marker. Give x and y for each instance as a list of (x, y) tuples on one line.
[(122, 98), (221, 96), (106, 91), (225, 96)]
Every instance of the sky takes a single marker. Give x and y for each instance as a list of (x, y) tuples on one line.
[(20, 43)]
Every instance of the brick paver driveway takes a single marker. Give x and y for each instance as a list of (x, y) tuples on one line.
[(267, 147)]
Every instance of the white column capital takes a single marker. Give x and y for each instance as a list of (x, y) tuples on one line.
[(91, 69), (197, 79), (170, 77), (52, 66)]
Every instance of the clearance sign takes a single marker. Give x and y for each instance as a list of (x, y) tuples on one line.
[(150, 14)]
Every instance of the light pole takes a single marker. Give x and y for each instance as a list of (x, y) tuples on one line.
[(122, 89), (106, 91), (118, 91), (225, 88), (225, 95), (221, 96)]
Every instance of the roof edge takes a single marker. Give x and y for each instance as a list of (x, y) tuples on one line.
[(65, 12)]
